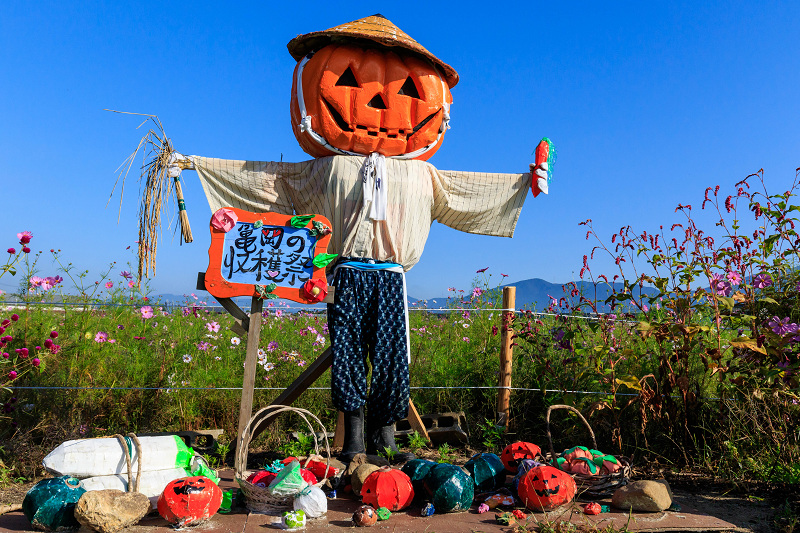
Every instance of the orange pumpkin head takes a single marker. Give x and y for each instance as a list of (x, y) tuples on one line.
[(353, 99), (366, 86)]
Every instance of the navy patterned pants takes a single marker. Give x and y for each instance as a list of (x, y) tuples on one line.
[(367, 319)]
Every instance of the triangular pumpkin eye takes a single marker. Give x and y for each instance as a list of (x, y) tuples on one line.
[(409, 89), (552, 475), (347, 79)]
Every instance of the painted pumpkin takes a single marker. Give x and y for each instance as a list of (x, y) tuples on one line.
[(514, 453), (388, 488), (361, 100), (417, 469), (365, 516), (487, 471), (50, 504), (544, 488), (450, 488), (189, 501)]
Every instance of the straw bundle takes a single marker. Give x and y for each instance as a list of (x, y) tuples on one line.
[(156, 149)]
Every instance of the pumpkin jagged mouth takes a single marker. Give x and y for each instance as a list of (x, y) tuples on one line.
[(546, 492), (382, 132)]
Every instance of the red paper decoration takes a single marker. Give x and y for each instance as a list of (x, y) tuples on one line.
[(365, 100), (188, 501), (516, 452), (544, 488), (388, 488), (308, 476), (262, 478)]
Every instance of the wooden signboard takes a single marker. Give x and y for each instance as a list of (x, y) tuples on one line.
[(268, 255)]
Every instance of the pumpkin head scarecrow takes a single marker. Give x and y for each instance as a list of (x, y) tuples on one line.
[(371, 105)]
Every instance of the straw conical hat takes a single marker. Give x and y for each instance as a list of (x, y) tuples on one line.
[(376, 28)]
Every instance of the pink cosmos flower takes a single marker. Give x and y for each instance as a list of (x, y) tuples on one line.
[(24, 237), (482, 270), (146, 311), (272, 346), (465, 339), (131, 284), (125, 274), (109, 284), (101, 336), (762, 281), (476, 292), (213, 327), (734, 277)]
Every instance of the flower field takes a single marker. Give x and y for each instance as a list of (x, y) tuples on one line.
[(701, 371)]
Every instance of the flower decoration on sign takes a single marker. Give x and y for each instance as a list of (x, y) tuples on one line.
[(265, 291), (301, 221), (258, 223), (224, 219), (315, 290), (319, 229)]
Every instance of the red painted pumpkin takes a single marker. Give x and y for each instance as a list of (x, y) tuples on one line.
[(188, 501), (388, 488), (516, 452), (544, 488), (363, 100)]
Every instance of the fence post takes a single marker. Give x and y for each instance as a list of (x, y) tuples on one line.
[(506, 354)]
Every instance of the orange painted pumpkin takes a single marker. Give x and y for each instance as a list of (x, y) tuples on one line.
[(189, 501), (363, 100), (388, 488), (516, 452), (544, 488)]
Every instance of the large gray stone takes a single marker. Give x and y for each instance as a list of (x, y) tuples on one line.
[(643, 495), (111, 510)]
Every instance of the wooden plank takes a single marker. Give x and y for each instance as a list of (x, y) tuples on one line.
[(298, 386), (415, 421), (251, 360), (338, 437), (506, 356)]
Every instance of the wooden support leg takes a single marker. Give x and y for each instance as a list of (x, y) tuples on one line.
[(416, 422), (251, 360), (338, 437)]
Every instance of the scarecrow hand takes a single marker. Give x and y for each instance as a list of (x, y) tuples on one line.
[(539, 178)]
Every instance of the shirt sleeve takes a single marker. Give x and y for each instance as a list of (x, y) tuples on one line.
[(256, 186), (479, 202)]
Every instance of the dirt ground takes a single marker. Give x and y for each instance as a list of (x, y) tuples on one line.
[(752, 508)]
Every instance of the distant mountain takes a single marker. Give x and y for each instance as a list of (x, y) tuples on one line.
[(535, 294)]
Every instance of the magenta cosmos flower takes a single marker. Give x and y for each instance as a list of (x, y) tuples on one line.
[(146, 311)]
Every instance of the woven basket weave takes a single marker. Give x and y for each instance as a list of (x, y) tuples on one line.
[(589, 486), (260, 499)]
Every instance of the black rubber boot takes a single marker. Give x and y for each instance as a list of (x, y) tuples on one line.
[(353, 435), (381, 439)]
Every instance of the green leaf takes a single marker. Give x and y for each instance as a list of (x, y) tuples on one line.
[(301, 221), (629, 381), (768, 300), (322, 260)]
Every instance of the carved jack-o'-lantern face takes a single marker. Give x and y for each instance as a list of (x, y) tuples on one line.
[(544, 488), (189, 500), (348, 99)]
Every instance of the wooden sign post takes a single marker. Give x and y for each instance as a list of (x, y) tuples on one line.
[(506, 357)]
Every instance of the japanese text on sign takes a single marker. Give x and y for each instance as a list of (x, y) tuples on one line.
[(268, 254)]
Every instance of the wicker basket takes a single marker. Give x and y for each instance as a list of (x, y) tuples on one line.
[(591, 486), (260, 499)]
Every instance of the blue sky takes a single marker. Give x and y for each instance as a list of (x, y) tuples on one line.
[(647, 103)]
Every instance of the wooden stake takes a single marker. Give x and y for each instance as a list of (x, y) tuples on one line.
[(506, 353), (251, 360)]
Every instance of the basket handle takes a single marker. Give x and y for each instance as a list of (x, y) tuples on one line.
[(569, 408), (265, 414)]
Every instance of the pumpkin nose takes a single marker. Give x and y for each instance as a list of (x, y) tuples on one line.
[(377, 102)]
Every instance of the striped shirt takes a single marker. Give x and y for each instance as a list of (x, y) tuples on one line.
[(417, 194)]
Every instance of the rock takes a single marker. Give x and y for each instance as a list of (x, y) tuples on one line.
[(360, 474), (362, 459), (643, 495), (110, 510)]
